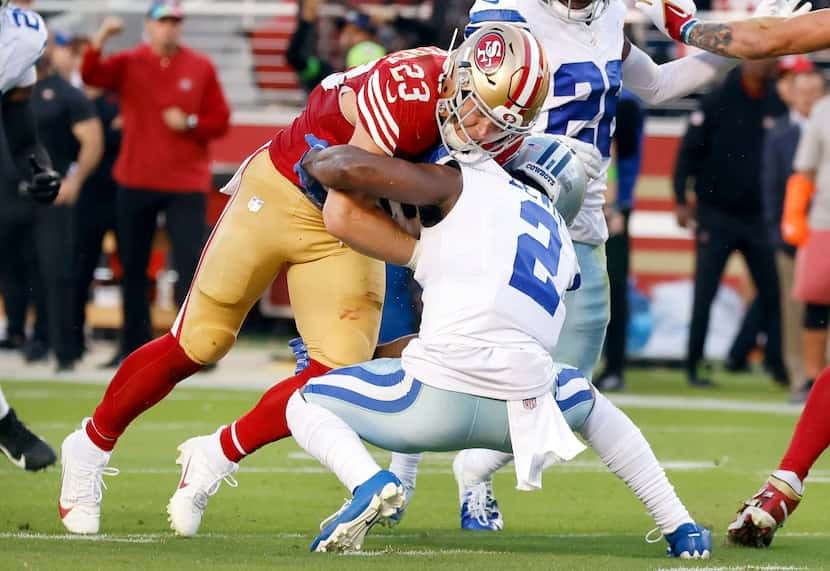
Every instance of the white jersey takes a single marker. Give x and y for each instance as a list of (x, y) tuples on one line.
[(494, 272), (586, 67), (23, 38)]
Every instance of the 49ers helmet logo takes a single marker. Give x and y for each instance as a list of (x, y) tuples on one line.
[(490, 52)]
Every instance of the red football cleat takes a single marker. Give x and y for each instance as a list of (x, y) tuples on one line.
[(761, 515)]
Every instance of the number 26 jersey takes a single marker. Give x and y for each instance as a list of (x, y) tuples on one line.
[(396, 100), (586, 67)]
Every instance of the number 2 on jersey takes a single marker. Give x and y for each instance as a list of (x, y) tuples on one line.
[(537, 263)]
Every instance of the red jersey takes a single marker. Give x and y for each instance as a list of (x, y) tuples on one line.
[(396, 100)]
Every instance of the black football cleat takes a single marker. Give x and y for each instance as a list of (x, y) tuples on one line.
[(23, 448)]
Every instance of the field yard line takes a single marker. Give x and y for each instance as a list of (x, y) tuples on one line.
[(703, 404), (739, 568), (152, 538), (153, 426), (423, 552)]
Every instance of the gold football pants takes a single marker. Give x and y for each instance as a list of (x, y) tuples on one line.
[(336, 293)]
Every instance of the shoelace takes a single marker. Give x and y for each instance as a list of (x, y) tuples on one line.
[(200, 498), (657, 538), (477, 503), (89, 483), (491, 505), (335, 515)]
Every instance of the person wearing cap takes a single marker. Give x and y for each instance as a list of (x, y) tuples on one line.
[(172, 107), (357, 41), (72, 134), (721, 152)]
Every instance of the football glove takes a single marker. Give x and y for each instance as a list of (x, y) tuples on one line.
[(310, 185), (44, 185), (781, 9), (672, 17), (586, 152)]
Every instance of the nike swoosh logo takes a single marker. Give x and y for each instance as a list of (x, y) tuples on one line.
[(19, 462), (389, 96), (183, 484), (63, 511)]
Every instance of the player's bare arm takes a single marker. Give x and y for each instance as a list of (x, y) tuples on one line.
[(760, 38), (350, 169)]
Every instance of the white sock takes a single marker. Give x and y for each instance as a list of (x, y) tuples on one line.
[(628, 454), (405, 467), (4, 406), (792, 479), (325, 436), (477, 465)]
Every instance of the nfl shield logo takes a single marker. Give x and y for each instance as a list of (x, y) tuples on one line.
[(529, 404)]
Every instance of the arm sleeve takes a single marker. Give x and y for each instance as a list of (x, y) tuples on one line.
[(21, 134), (214, 113), (656, 84), (692, 150), (106, 73), (808, 155)]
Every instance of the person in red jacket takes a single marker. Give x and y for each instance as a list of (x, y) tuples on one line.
[(172, 107)]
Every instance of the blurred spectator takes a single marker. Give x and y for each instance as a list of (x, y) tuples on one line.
[(628, 146), (72, 135), (65, 56), (804, 86), (357, 42), (809, 190), (722, 152), (95, 209), (450, 17), (172, 106)]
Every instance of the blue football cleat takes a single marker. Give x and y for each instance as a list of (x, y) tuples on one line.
[(690, 541), (382, 495), (397, 517), (480, 510)]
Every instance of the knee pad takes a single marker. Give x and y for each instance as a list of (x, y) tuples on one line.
[(574, 395), (207, 343)]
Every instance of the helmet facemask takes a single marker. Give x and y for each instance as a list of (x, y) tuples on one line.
[(566, 10), (480, 80)]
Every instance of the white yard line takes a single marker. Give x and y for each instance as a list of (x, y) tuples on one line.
[(703, 404)]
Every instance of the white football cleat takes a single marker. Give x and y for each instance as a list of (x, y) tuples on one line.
[(82, 482), (204, 467)]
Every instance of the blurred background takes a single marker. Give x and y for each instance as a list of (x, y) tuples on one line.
[(269, 54)]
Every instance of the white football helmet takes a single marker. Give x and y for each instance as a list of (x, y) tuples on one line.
[(504, 72), (547, 164), (585, 11)]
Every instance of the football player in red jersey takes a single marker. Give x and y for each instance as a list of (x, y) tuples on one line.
[(479, 99)]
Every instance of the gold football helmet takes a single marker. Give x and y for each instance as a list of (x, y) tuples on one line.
[(498, 76)]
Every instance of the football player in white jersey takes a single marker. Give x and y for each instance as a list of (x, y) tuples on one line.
[(495, 263), (589, 56), (22, 41)]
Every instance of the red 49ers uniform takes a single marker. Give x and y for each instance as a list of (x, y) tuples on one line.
[(336, 293)]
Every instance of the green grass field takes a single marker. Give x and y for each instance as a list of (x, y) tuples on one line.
[(583, 519)]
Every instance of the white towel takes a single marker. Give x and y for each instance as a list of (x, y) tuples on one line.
[(540, 436)]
